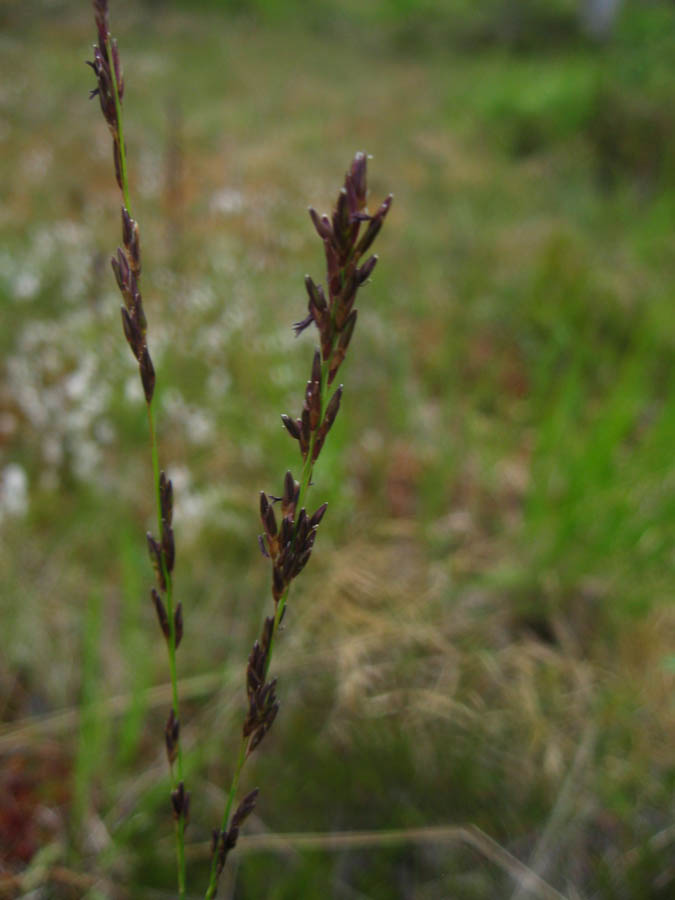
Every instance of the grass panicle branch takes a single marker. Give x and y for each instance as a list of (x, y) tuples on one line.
[(126, 265), (289, 531)]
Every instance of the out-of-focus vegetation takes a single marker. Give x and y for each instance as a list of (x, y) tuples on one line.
[(485, 633)]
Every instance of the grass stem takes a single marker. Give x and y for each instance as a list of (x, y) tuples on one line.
[(120, 129), (177, 778), (289, 544), (127, 269), (232, 793)]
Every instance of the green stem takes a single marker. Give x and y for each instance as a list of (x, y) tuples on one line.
[(171, 646), (213, 880), (120, 127), (305, 480), (171, 643)]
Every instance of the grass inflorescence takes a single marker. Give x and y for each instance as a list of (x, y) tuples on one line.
[(347, 236), (126, 265)]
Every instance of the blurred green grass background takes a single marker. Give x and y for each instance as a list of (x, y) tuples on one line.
[(485, 633)]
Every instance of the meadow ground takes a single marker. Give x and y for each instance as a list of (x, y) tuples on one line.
[(484, 636)]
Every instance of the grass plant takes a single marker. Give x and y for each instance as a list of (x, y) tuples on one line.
[(347, 236), (127, 268)]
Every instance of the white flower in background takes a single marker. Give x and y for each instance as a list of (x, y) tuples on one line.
[(13, 491), (227, 201), (196, 423), (26, 285)]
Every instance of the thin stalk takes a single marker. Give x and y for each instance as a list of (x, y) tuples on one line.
[(290, 546), (241, 759), (306, 478), (120, 128), (171, 647), (177, 776)]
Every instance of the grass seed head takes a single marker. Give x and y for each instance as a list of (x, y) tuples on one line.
[(162, 616)]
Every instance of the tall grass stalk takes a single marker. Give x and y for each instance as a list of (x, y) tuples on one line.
[(127, 268), (347, 236)]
